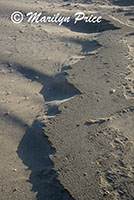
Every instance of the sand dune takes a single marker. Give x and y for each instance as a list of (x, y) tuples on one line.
[(66, 103)]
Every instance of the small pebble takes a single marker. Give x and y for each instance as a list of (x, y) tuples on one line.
[(8, 93), (58, 173), (14, 190), (85, 174), (21, 31), (6, 113), (107, 81), (26, 98), (11, 71), (68, 45), (112, 91)]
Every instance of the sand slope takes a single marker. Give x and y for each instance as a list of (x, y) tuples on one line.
[(66, 103)]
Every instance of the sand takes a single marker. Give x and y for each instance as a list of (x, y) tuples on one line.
[(66, 106)]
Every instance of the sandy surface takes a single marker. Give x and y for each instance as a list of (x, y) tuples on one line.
[(67, 102)]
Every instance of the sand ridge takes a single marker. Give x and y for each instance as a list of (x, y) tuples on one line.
[(67, 103)]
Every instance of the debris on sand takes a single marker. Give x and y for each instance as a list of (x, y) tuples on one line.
[(97, 121)]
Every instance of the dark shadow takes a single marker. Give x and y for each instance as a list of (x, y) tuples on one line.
[(53, 87), (76, 1), (123, 2), (130, 34), (58, 88), (83, 27), (65, 68), (129, 13), (34, 150), (87, 45), (52, 110)]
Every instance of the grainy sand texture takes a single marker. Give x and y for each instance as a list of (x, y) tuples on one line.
[(67, 101)]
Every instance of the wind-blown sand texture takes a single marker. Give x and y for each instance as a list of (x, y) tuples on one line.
[(67, 103)]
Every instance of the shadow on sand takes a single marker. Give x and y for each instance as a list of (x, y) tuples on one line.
[(83, 27), (53, 87), (35, 148), (123, 2)]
